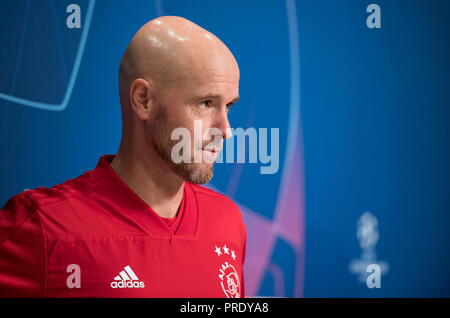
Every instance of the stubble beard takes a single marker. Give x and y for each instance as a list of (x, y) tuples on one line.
[(160, 133)]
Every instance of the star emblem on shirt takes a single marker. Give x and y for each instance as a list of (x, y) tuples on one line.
[(225, 250)]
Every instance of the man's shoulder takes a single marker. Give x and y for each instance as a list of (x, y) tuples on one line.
[(75, 188), (220, 213), (220, 202), (205, 193), (26, 209)]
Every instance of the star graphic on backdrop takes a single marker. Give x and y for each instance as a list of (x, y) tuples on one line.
[(218, 251), (226, 250), (233, 255)]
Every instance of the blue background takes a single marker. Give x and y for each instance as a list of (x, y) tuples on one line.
[(374, 120)]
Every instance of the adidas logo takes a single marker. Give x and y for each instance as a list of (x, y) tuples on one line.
[(127, 279)]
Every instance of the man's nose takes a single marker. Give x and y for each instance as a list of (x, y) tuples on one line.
[(224, 125)]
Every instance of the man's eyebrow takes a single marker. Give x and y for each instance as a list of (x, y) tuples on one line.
[(235, 100), (212, 96)]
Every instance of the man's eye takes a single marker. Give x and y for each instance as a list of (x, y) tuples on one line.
[(206, 103)]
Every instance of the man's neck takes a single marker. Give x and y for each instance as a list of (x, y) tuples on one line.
[(151, 179)]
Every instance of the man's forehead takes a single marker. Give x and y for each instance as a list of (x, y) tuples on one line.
[(213, 81)]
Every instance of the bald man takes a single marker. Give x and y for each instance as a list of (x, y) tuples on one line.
[(140, 224)]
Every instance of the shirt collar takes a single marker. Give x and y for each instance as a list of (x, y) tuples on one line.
[(125, 200)]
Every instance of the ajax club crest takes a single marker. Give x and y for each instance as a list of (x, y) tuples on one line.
[(228, 276)]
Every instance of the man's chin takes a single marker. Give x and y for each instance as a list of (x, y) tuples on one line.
[(202, 174), (198, 173)]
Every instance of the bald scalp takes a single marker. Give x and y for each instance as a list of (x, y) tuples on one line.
[(163, 52)]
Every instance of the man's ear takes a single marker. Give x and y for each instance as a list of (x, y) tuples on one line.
[(141, 97)]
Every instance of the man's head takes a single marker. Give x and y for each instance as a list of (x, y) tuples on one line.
[(174, 73)]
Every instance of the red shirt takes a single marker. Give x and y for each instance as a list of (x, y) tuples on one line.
[(92, 236)]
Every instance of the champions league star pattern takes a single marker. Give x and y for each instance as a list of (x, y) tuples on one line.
[(362, 115)]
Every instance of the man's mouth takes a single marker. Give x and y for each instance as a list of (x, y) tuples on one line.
[(211, 152)]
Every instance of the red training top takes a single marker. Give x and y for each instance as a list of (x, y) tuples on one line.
[(92, 236)]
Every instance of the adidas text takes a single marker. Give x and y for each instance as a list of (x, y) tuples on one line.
[(127, 284)]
